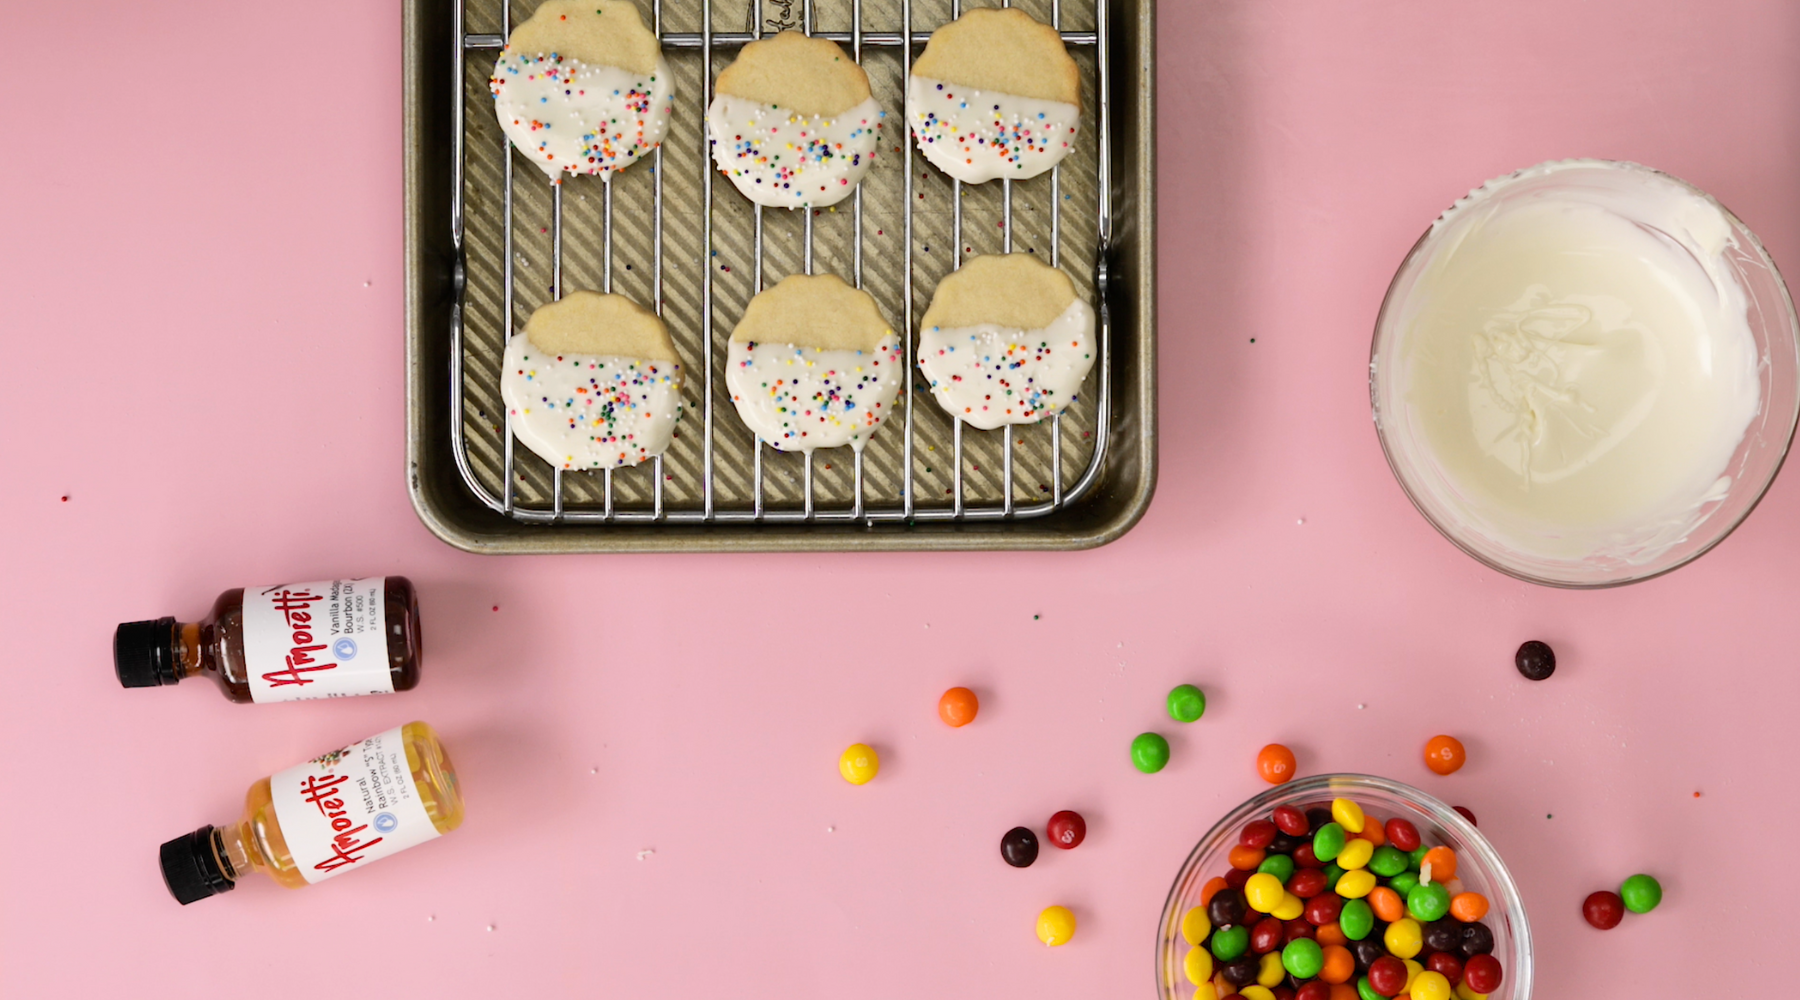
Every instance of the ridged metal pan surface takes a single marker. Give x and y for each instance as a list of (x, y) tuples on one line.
[(662, 237)]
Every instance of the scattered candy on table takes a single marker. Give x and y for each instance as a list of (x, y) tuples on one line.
[(1066, 829), (1603, 909), (1464, 812), (1328, 903), (1444, 754), (958, 706), (1186, 703), (1640, 893), (1275, 763), (1536, 660), (1150, 752), (1019, 847), (1056, 925), (859, 764)]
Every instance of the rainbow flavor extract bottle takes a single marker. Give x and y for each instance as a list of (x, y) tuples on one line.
[(290, 642), (332, 814)]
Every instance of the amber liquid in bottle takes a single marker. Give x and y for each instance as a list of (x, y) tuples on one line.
[(165, 651), (213, 859)]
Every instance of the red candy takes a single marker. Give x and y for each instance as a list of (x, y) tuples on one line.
[(1305, 858), (1318, 989), (1067, 829), (1291, 821), (1402, 834), (1387, 975), (1237, 877), (1283, 992), (1299, 928), (1603, 909), (1307, 882), (1257, 833), (1443, 962), (1267, 935), (1324, 909), (1482, 973), (1466, 814)]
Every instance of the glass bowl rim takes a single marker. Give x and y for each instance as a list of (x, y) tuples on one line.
[(1793, 417)]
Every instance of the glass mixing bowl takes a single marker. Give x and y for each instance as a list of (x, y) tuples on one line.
[(1751, 469), (1478, 866)]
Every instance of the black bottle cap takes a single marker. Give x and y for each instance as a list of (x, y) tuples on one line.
[(144, 653), (191, 868)]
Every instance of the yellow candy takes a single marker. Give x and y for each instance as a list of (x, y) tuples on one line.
[(1430, 986), (1290, 908), (1412, 972), (1198, 966), (1056, 925), (1403, 938), (859, 764), (1271, 973), (1263, 892), (1356, 884), (1195, 926), (1462, 992), (1256, 992), (1348, 814), (1205, 991), (1355, 854)]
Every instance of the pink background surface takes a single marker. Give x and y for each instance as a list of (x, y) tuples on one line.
[(201, 286)]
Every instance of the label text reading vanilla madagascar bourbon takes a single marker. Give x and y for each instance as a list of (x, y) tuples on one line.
[(316, 640), (350, 806)]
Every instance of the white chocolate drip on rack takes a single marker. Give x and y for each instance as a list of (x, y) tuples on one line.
[(589, 411), (976, 135), (568, 116), (785, 159), (803, 398), (989, 376)]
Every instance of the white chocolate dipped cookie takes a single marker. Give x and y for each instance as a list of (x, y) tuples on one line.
[(814, 365), (792, 122), (994, 95), (582, 87), (1006, 341), (593, 382)]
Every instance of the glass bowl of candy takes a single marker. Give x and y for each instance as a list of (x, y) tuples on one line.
[(1344, 887)]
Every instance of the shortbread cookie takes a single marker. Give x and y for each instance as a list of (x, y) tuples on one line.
[(582, 88), (1006, 341), (792, 123), (593, 382), (994, 95), (814, 365)]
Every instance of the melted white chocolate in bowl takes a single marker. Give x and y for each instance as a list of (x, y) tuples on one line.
[(1570, 367)]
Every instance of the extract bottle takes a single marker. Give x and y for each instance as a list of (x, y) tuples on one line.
[(329, 639), (333, 813)]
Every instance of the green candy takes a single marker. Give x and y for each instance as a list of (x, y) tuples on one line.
[(1328, 843), (1186, 703), (1426, 903), (1403, 883), (1641, 893), (1366, 992), (1388, 861), (1332, 874), (1150, 752), (1279, 865), (1303, 958), (1416, 857), (1230, 942), (1356, 920)]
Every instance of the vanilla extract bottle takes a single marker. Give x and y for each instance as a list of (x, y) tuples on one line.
[(329, 639), (334, 813)]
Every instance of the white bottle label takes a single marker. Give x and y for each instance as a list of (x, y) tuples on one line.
[(350, 806), (316, 640)]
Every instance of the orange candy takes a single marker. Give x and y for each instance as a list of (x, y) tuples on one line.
[(1340, 965), (1469, 907), (958, 707), (1276, 764), (1246, 858), (1332, 934), (1442, 861), (1372, 833), (1387, 904), (1343, 991), (1444, 754), (1211, 889)]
